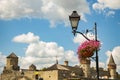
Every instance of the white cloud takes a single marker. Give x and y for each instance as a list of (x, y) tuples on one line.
[(56, 11), (42, 53), (110, 13), (2, 61), (102, 4), (12, 9), (26, 38), (106, 6), (80, 39), (116, 55), (98, 6), (44, 49), (101, 64)]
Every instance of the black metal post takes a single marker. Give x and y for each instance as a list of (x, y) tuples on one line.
[(74, 19), (97, 59)]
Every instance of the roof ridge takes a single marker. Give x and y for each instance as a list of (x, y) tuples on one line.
[(111, 60), (12, 55)]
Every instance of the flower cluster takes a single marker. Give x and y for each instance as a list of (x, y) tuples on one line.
[(87, 48)]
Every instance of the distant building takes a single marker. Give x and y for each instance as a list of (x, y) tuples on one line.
[(12, 63), (57, 71)]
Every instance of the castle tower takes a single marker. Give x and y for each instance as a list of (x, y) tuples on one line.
[(32, 67), (11, 62), (112, 68), (85, 64)]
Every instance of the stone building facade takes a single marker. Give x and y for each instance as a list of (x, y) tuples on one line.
[(57, 71)]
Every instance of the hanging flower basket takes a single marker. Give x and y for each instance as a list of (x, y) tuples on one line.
[(87, 48)]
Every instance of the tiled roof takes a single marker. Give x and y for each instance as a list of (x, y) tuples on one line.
[(111, 60), (69, 69), (56, 67), (12, 55), (63, 67), (32, 65)]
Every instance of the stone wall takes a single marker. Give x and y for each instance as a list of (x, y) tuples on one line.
[(10, 75), (49, 75), (30, 75), (46, 75)]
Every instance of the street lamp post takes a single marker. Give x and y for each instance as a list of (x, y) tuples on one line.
[(74, 20)]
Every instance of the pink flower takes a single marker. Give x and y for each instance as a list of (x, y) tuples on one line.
[(87, 48)]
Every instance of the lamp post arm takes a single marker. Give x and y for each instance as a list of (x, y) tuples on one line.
[(74, 32)]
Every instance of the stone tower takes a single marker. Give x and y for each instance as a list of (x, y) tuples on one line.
[(11, 62), (112, 68), (85, 64), (32, 67)]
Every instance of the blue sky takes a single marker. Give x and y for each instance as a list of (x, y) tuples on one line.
[(39, 30)]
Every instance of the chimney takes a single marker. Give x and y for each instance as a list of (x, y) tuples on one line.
[(66, 63)]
